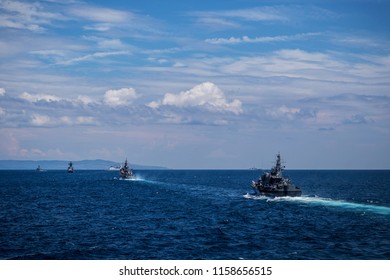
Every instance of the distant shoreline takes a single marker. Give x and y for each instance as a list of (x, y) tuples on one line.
[(98, 164), (151, 168)]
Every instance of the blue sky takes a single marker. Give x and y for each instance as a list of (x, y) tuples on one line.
[(197, 84)]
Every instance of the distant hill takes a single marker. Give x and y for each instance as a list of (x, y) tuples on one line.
[(97, 164)]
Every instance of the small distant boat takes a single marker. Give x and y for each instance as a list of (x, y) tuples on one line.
[(125, 172), (273, 183), (70, 167), (114, 168), (39, 169)]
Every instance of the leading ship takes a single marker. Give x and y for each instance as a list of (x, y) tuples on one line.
[(125, 172), (273, 182)]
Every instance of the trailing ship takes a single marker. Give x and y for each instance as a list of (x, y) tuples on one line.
[(114, 168), (70, 167), (39, 169), (273, 182), (125, 172)]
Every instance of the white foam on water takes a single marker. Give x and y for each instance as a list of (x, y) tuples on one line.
[(130, 179), (325, 202), (255, 196)]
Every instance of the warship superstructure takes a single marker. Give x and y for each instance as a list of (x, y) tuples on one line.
[(126, 172), (273, 182)]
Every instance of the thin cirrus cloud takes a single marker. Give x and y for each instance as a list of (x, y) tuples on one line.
[(92, 57), (251, 14), (237, 18), (105, 20), (266, 39), (30, 16), (99, 14)]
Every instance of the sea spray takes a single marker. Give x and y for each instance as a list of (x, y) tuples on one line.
[(328, 202)]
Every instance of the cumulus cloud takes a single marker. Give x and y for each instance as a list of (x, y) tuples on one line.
[(206, 95), (34, 98), (120, 97), (85, 99), (2, 92), (44, 120), (284, 112), (40, 120), (81, 120), (39, 97)]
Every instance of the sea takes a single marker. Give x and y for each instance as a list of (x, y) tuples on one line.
[(193, 215)]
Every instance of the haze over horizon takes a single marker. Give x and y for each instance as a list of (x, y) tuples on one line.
[(197, 84)]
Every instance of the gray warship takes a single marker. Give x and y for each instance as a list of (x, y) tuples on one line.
[(273, 182), (125, 172), (70, 167)]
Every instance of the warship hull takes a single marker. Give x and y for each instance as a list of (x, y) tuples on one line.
[(279, 194), (273, 183), (277, 191)]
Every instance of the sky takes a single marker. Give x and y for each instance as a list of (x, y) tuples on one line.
[(197, 84)]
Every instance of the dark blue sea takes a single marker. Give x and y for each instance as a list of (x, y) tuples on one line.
[(177, 214)]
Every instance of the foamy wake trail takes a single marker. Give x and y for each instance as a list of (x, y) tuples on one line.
[(130, 179), (325, 202)]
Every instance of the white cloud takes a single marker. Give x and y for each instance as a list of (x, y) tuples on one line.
[(99, 14), (206, 95), (120, 97), (101, 27), (111, 44), (299, 64), (85, 99), (2, 91), (154, 104), (39, 97), (85, 120), (66, 120), (40, 120), (255, 14), (228, 19), (80, 120), (217, 23), (267, 39), (22, 15), (93, 56), (33, 98), (284, 112), (252, 14), (44, 120)]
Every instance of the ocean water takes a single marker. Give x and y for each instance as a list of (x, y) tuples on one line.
[(188, 214)]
